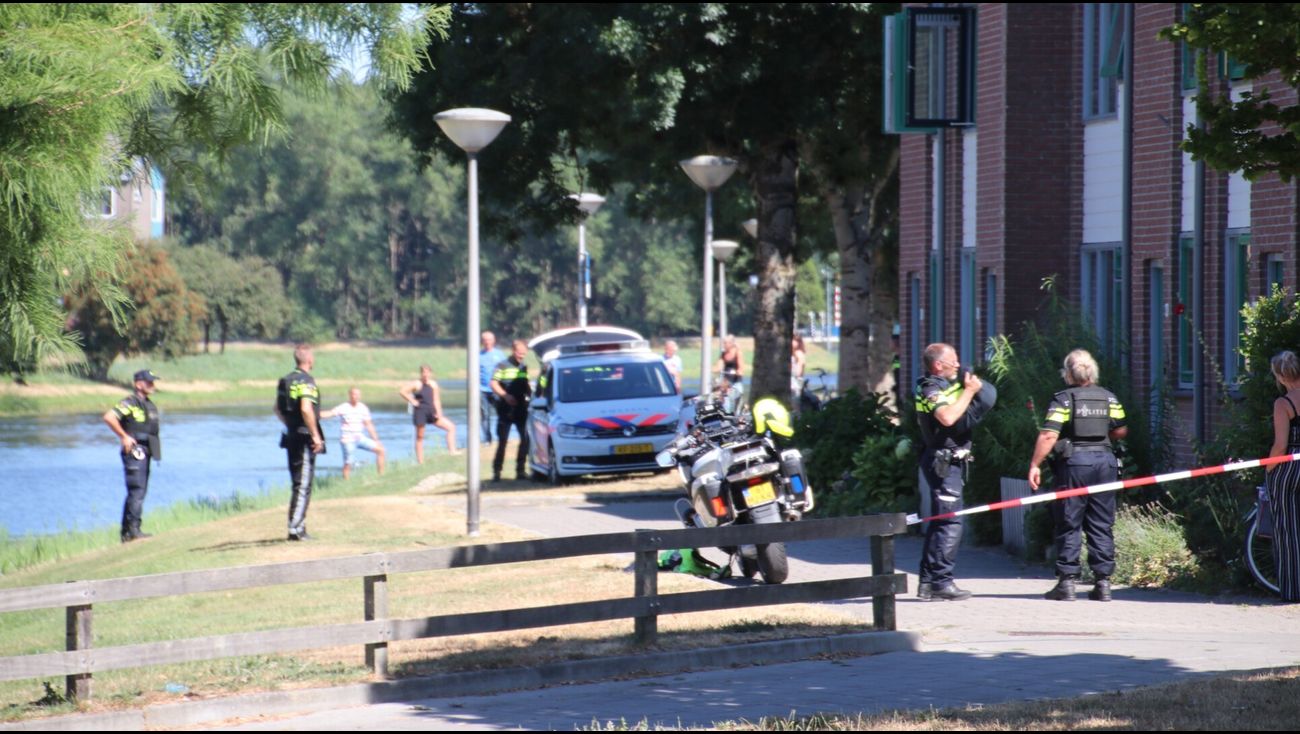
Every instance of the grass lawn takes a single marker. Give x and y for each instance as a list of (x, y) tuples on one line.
[(404, 510)]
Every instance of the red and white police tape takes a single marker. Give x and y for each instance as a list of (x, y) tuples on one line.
[(1111, 487)]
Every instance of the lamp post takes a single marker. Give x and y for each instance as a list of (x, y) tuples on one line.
[(708, 172), (722, 251), (829, 320), (588, 204), (472, 130)]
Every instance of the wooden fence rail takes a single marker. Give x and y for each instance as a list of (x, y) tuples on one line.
[(81, 659)]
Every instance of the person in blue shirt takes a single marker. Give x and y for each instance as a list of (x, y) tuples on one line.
[(488, 359)]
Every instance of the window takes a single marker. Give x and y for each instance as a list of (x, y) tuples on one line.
[(919, 70), (1236, 268), (969, 315), (1182, 309), (936, 296), (614, 382), (990, 309), (1155, 337), (108, 203), (1274, 272), (1103, 293), (916, 315), (1103, 57)]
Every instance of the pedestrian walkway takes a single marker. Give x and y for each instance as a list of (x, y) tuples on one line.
[(1007, 643)]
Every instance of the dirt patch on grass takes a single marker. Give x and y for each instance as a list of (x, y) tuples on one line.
[(58, 391)]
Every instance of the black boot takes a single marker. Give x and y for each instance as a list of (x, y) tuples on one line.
[(1063, 591), (1100, 590)]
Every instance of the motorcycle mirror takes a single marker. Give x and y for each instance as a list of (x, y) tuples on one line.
[(665, 459)]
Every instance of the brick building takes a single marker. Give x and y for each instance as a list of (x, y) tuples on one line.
[(1072, 168)]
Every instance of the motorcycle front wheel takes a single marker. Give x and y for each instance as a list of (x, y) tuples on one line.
[(772, 563)]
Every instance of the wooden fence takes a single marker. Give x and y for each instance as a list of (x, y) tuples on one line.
[(81, 659)]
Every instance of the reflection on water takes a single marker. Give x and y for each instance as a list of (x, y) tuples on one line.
[(63, 472)]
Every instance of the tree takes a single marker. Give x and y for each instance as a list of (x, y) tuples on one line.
[(164, 316), (244, 296), (1255, 134), (85, 88), (624, 91)]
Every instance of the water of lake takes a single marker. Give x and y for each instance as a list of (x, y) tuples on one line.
[(64, 472)]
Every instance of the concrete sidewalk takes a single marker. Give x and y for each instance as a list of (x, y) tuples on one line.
[(1007, 643)]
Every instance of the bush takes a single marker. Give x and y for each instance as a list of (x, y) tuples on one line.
[(1151, 550), (883, 478), (829, 438)]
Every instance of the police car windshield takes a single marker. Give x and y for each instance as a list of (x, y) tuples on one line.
[(614, 382)]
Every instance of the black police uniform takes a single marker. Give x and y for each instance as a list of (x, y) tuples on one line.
[(292, 389), (944, 461), (1084, 418), (139, 418), (513, 377)]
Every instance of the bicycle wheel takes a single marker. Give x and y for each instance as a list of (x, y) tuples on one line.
[(1259, 555)]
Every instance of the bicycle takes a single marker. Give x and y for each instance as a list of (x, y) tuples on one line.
[(815, 398), (1259, 544)]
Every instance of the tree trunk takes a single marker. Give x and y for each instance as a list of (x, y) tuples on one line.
[(774, 177), (225, 330), (207, 335), (861, 219)]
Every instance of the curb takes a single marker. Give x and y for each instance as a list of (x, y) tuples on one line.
[(475, 683)]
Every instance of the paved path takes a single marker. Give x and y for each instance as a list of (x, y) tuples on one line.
[(1006, 643)]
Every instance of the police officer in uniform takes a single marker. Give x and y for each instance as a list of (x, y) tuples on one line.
[(949, 404), (297, 405), (510, 384), (135, 421), (1081, 423)]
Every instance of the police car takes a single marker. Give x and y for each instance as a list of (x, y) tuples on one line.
[(604, 403)]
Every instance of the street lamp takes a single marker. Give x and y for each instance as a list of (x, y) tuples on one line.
[(751, 227), (588, 204), (472, 130), (829, 320), (708, 172), (722, 251)]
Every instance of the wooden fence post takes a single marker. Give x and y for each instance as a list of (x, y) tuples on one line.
[(80, 636), (647, 584), (882, 563), (377, 608)]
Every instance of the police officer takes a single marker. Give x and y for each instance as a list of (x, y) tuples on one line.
[(1081, 422), (510, 384), (135, 421), (297, 405), (948, 407)]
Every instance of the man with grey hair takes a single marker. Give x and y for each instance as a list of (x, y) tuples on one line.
[(949, 404), (673, 362), (1081, 423)]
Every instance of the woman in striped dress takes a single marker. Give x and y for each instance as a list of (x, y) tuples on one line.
[(1284, 479)]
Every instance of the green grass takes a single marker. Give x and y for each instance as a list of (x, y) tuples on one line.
[(24, 552), (246, 374)]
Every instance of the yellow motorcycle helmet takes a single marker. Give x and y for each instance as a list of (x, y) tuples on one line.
[(771, 415)]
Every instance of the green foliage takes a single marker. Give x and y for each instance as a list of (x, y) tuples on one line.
[(164, 319), (244, 296), (856, 457), (1150, 549), (86, 88), (1214, 507), (1254, 134)]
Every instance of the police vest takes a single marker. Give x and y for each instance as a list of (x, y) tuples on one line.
[(1089, 423), (139, 417)]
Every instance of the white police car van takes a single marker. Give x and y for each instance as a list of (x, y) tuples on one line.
[(604, 403)]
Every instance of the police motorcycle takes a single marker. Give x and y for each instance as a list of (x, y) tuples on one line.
[(734, 473)]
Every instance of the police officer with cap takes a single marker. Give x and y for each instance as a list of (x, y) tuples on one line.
[(135, 421), (1081, 423), (949, 404)]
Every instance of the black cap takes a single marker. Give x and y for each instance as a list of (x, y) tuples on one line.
[(145, 375)]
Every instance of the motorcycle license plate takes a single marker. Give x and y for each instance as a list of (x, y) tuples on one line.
[(634, 448), (759, 494)]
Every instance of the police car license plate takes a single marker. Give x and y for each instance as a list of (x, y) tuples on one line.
[(759, 494), (634, 448)]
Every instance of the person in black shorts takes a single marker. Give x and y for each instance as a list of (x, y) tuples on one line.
[(426, 403)]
